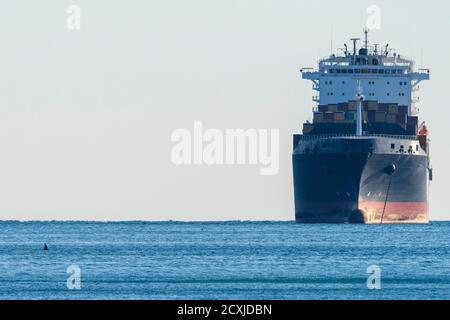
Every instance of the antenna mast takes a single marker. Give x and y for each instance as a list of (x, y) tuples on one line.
[(366, 38), (332, 34)]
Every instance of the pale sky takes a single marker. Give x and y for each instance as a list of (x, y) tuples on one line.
[(86, 116)]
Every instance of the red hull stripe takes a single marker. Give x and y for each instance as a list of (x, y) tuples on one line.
[(395, 207)]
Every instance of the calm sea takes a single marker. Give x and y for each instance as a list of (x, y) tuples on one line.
[(222, 260)]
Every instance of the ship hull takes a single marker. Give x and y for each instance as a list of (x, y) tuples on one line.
[(367, 183)]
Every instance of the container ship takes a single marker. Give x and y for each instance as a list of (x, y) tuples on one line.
[(364, 158)]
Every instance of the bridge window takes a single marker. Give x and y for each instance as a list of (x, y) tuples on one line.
[(393, 146)]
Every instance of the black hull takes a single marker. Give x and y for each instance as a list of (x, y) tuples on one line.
[(360, 181)]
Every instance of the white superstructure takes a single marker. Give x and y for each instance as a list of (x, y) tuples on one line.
[(384, 76)]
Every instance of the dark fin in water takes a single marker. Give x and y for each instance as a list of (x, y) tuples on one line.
[(45, 246)]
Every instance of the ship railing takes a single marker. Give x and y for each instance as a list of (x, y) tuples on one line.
[(354, 136)]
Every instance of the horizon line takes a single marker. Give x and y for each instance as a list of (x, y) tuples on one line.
[(183, 221)]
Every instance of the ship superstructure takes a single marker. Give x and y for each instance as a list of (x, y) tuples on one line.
[(364, 157)]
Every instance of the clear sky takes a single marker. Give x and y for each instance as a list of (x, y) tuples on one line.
[(86, 115)]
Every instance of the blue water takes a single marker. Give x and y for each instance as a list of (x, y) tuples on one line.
[(223, 260)]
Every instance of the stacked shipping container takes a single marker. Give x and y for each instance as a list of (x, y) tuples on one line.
[(373, 112)]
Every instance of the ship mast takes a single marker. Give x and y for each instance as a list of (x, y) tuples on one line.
[(366, 38), (360, 98)]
